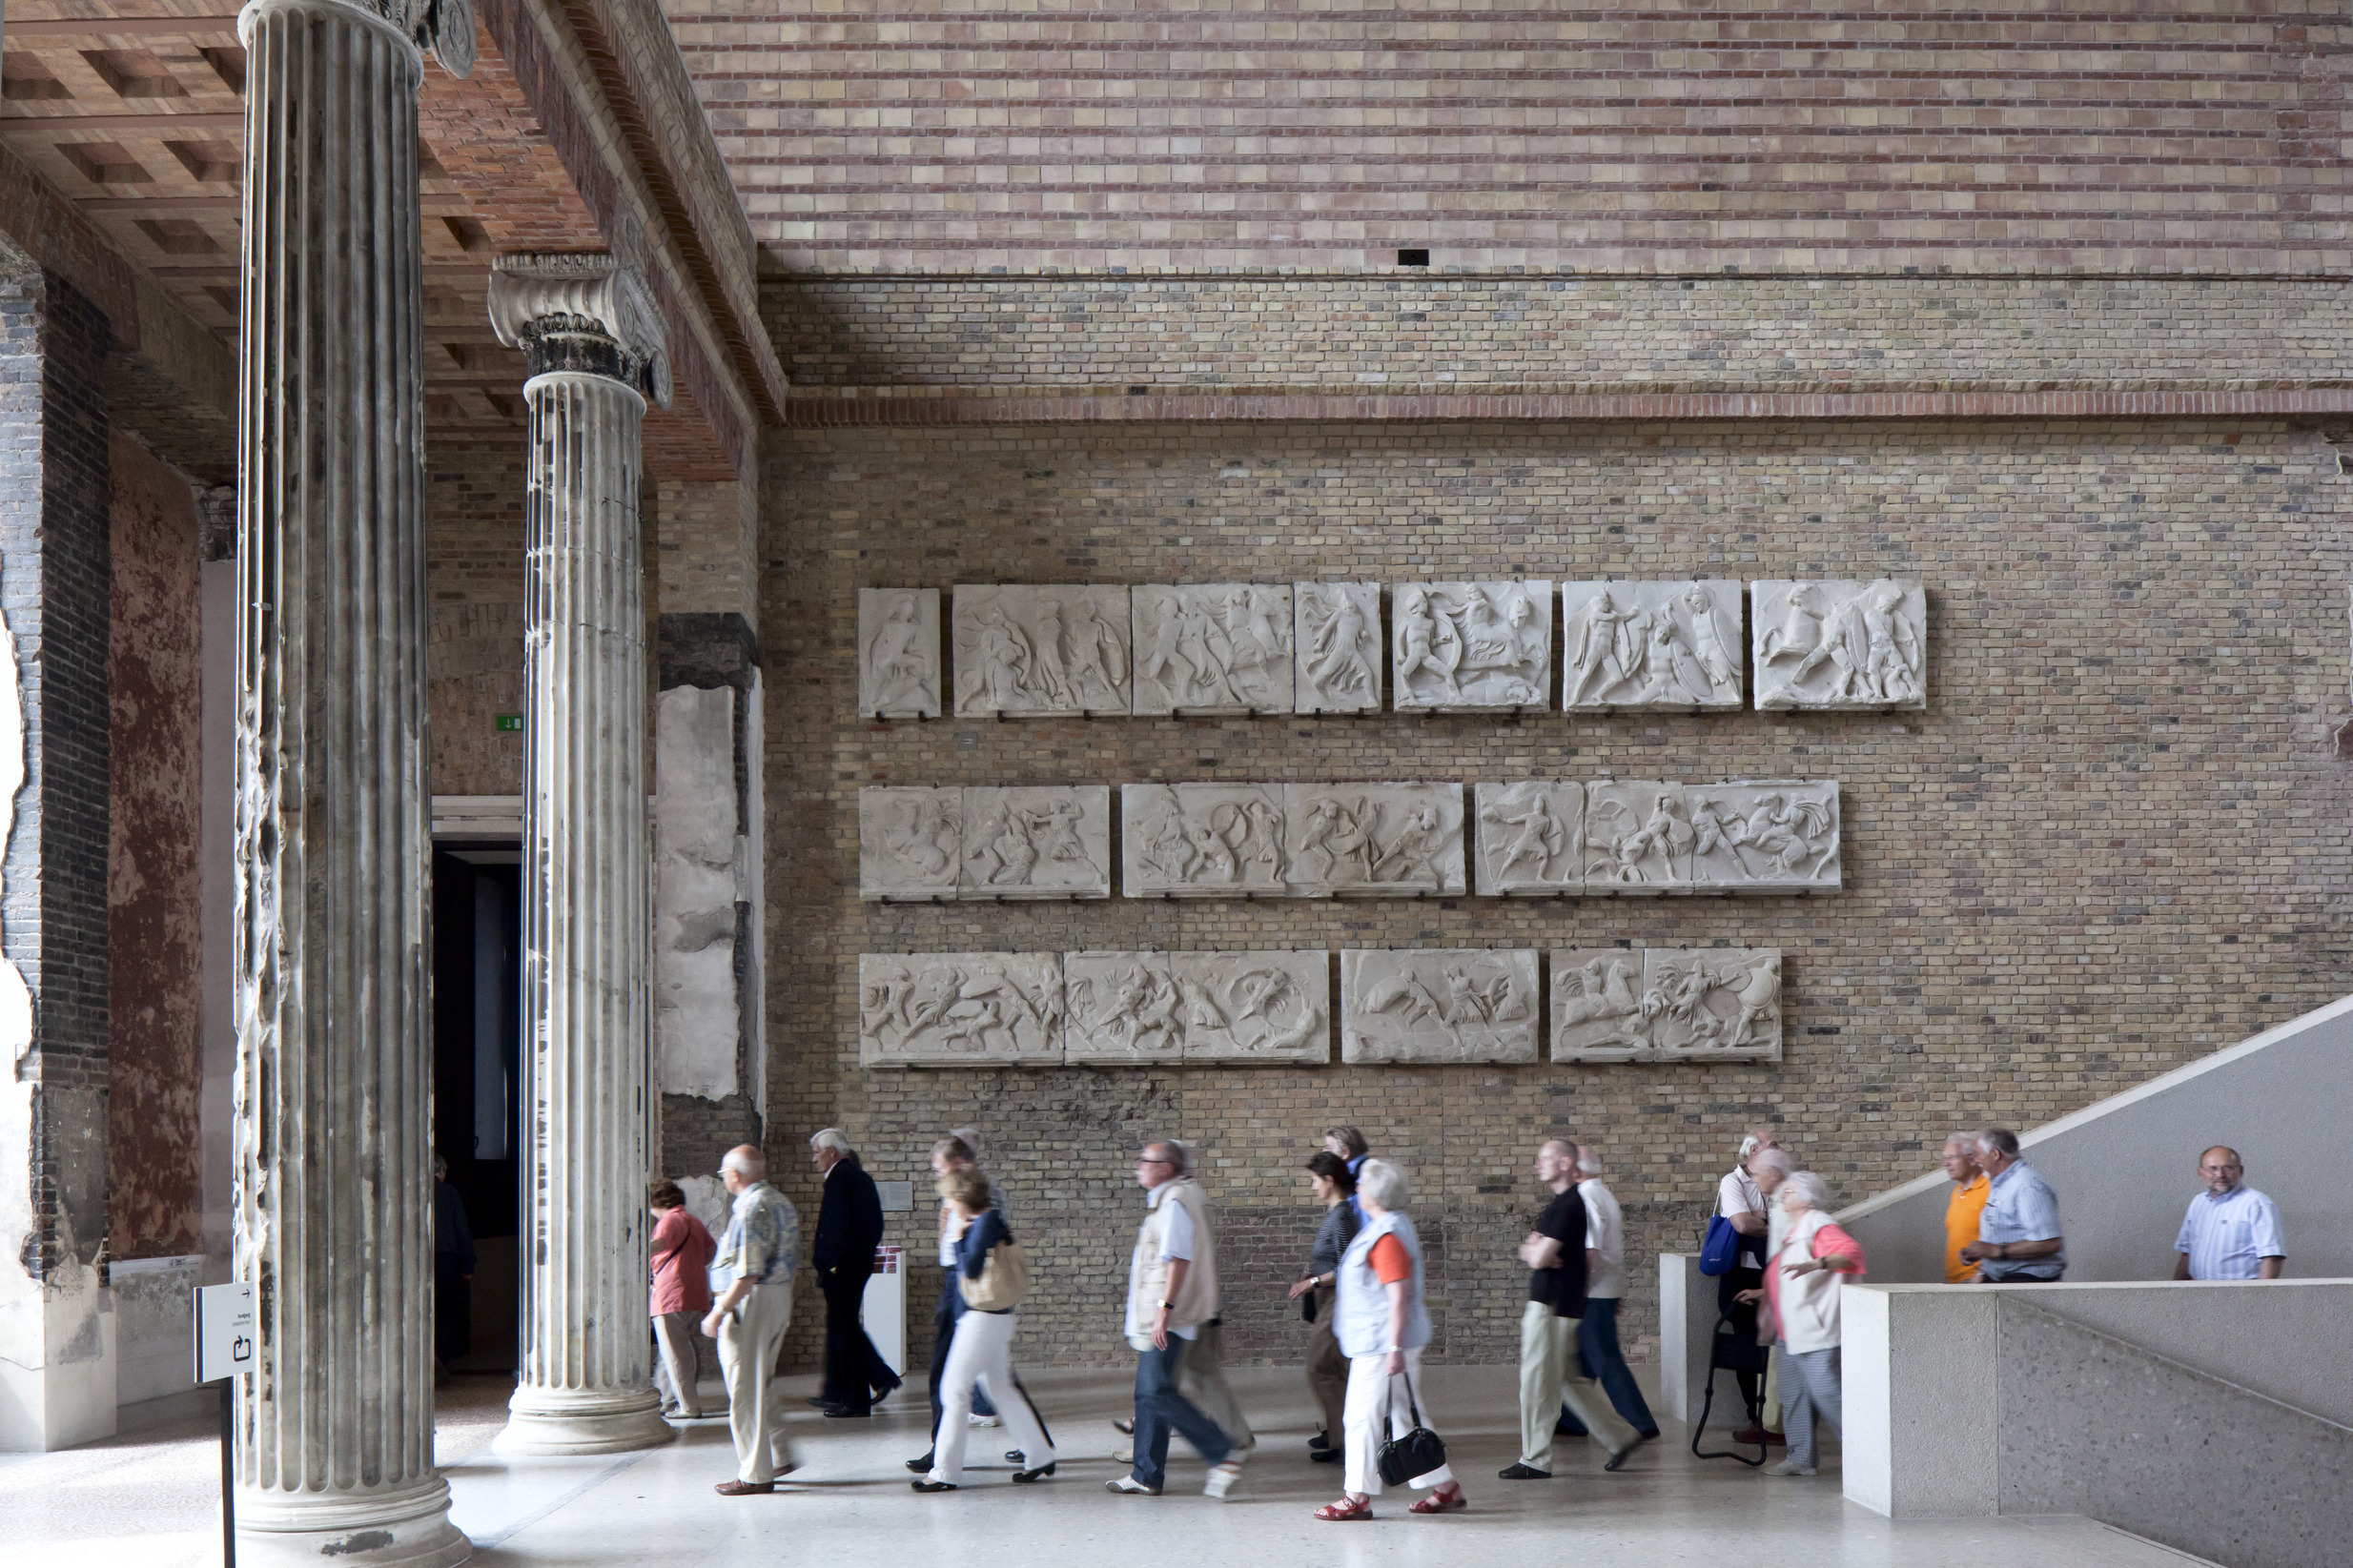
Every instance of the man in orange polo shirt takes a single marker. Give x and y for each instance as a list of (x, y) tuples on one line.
[(1970, 1189)]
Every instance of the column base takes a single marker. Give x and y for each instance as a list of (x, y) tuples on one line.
[(407, 1529), (553, 1421)]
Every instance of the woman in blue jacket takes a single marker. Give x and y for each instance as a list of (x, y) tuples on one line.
[(981, 1351)]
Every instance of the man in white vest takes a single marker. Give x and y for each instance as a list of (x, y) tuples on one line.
[(1171, 1293)]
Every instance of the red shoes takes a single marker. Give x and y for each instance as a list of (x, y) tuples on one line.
[(1446, 1500), (1347, 1508)]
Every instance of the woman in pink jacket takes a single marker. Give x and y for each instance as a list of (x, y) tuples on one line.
[(681, 1253), (1802, 1276)]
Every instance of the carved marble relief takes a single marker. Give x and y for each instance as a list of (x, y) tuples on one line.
[(1667, 1004), (1201, 841), (1337, 644), (1215, 648), (1469, 647), (1438, 1006), (1531, 838), (1832, 644), (1047, 842), (910, 843), (960, 1009), (1651, 645), (1373, 840), (1141, 1008), (1765, 835), (898, 653), (1638, 838), (1040, 652)]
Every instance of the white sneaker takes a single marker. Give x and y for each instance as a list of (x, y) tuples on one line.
[(1791, 1467), (1132, 1487), (981, 1421), (1123, 1456), (1221, 1480)]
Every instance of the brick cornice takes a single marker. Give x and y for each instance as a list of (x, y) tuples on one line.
[(846, 408)]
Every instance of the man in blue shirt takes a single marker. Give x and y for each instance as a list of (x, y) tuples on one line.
[(2019, 1238), (2232, 1231)]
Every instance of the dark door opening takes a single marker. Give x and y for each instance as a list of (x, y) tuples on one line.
[(477, 1077)]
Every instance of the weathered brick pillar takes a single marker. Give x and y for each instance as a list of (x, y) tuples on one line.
[(332, 939), (56, 1344), (594, 347)]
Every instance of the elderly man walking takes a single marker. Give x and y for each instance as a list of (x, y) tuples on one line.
[(849, 1228), (1549, 1373), (2232, 1231), (753, 1275), (1965, 1209), (1171, 1293), (2019, 1238)]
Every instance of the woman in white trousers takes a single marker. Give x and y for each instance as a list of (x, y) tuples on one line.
[(1383, 1326), (982, 1350)]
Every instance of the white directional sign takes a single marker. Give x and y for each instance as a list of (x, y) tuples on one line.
[(227, 1340)]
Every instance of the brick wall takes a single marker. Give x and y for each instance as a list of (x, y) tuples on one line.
[(2116, 840), (931, 136)]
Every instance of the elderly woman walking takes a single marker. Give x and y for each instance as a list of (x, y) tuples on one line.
[(1327, 1364), (1383, 1326), (1801, 1296)]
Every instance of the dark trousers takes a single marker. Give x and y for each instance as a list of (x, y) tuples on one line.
[(1743, 1317), (453, 1310), (943, 1335), (1604, 1362), (1161, 1410), (856, 1375)]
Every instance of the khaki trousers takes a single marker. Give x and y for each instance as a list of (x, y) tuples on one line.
[(1548, 1378), (1327, 1365), (681, 1367), (749, 1340), (1200, 1377)]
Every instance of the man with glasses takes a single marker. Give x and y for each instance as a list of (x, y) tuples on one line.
[(2232, 1231), (1171, 1293), (752, 1276)]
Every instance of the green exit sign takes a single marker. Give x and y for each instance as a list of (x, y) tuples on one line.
[(509, 721)]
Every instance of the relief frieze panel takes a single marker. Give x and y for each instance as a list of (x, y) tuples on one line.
[(1666, 1004), (1640, 645), (1146, 1008), (960, 1009), (1212, 648), (1839, 645), (1470, 647), (1026, 652), (1337, 647), (899, 653), (1438, 1006)]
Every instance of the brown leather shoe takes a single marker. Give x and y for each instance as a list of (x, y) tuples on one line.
[(745, 1489)]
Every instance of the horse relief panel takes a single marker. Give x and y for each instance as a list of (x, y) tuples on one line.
[(898, 653), (1201, 841), (1040, 652), (1215, 648), (1374, 840), (960, 1009), (1764, 836), (1438, 1006), (1638, 838), (1667, 1004), (1142, 1008), (911, 842), (1467, 647), (1531, 839), (1832, 644), (1337, 647), (1651, 645), (1050, 841)]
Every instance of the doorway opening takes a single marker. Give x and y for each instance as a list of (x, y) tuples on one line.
[(478, 1079)]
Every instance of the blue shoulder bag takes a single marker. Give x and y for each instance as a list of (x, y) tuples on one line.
[(1721, 1250)]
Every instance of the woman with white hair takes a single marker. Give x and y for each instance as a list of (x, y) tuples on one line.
[(1382, 1325), (1800, 1296)]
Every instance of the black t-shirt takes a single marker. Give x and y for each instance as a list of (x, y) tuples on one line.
[(1562, 1288)]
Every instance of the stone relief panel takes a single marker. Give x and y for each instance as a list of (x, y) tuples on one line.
[(1638, 838), (1040, 652), (898, 653), (1337, 644), (910, 843), (1438, 1006), (1050, 841), (1374, 840), (1215, 648), (1457, 647), (1665, 1005), (1202, 841), (1651, 645), (960, 1009), (1765, 835), (1531, 839), (1832, 645), (1146, 1008)]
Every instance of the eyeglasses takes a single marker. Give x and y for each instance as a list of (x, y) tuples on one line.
[(1146, 1159)]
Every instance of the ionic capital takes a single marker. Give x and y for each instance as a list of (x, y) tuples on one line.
[(444, 26), (584, 313)]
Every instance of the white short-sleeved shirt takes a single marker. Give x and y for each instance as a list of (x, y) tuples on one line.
[(1738, 1193), (2229, 1236), (1605, 1237)]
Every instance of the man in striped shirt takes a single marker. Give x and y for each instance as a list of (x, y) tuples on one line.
[(2232, 1231)]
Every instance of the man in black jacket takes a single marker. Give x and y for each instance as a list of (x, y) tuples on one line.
[(850, 1227)]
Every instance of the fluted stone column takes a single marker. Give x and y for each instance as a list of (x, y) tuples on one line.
[(331, 934), (594, 350)]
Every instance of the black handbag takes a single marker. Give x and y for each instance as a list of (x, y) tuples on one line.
[(1418, 1453)]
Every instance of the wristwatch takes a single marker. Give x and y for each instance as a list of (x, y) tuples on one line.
[(1168, 1306)]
